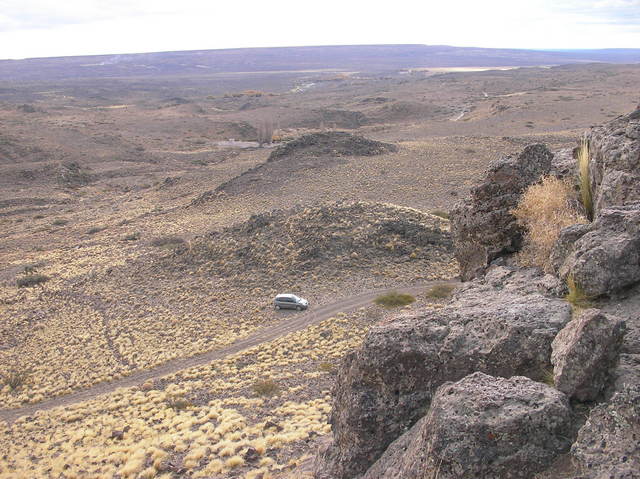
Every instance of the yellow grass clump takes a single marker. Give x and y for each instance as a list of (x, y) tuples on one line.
[(544, 209), (585, 178)]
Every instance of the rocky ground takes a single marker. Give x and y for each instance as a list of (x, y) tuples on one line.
[(521, 381)]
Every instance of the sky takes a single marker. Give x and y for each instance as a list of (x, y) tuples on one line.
[(44, 28)]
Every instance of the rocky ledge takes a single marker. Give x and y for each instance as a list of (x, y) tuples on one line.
[(509, 378)]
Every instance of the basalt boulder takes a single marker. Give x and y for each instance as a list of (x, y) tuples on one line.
[(482, 426), (608, 445), (615, 162), (501, 325), (605, 257), (584, 353)]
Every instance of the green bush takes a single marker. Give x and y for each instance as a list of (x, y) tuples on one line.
[(394, 299), (326, 367), (32, 279)]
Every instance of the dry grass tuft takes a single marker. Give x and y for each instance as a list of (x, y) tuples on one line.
[(544, 209), (577, 297), (585, 179), (32, 279)]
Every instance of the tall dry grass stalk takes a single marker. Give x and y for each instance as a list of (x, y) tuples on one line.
[(544, 209), (585, 179)]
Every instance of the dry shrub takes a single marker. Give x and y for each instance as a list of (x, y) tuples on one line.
[(266, 387), (544, 209)]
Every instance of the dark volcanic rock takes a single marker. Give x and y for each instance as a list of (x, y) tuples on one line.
[(615, 162), (608, 445), (332, 143), (606, 258), (584, 353), (482, 225), (482, 426), (501, 326)]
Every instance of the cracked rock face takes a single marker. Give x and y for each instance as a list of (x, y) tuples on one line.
[(608, 445), (605, 255), (615, 162), (482, 225), (501, 326), (482, 426), (584, 352)]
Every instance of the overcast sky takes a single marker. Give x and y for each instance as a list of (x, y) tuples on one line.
[(40, 28)]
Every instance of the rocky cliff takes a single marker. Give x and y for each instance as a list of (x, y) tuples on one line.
[(509, 379)]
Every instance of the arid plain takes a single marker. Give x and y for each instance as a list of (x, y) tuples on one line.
[(141, 224)]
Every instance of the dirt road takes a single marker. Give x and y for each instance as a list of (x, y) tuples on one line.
[(292, 323)]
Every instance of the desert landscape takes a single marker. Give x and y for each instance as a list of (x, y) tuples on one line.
[(147, 224)]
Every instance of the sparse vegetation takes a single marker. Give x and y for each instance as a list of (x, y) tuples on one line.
[(441, 214), (394, 299), (135, 236), (327, 367), (59, 222), (31, 279), (585, 178), (440, 291), (544, 209), (170, 241), (576, 296), (15, 378)]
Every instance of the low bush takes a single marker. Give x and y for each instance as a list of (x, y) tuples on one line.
[(31, 279), (266, 387), (15, 379), (326, 367), (132, 237), (441, 214), (394, 299), (440, 291), (544, 209)]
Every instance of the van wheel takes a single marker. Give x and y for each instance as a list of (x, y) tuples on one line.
[(298, 308), (277, 307)]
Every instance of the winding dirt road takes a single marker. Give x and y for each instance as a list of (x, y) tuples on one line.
[(294, 323)]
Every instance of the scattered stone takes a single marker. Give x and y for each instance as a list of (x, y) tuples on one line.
[(483, 227), (584, 352), (500, 325), (482, 426), (608, 445)]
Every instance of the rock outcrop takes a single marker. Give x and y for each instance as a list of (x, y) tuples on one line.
[(482, 426), (483, 226), (615, 162), (605, 256), (608, 445), (584, 353), (501, 325)]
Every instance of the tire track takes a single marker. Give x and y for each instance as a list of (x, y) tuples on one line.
[(284, 327)]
